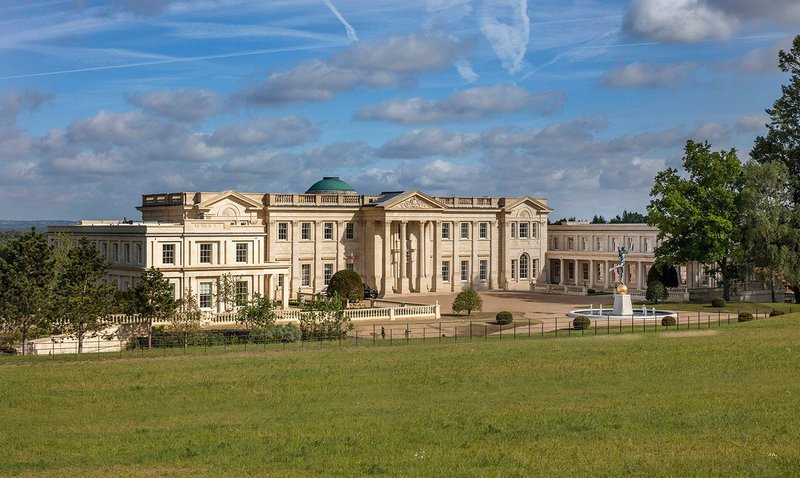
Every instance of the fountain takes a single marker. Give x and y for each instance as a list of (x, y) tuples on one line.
[(623, 307)]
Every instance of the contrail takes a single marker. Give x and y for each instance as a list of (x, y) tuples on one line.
[(174, 60), (351, 32)]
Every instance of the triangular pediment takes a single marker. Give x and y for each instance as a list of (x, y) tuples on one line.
[(412, 200), (231, 196), (536, 204)]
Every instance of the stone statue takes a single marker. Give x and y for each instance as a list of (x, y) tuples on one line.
[(622, 251)]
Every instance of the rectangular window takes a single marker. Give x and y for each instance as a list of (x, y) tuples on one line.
[(598, 245), (513, 230), (241, 293), (327, 231), (533, 269), (513, 268), (555, 243), (205, 297), (280, 280), (115, 252), (523, 230), (483, 270), (241, 252), (586, 272), (172, 289), (139, 255), (205, 253), (350, 231), (464, 230), (327, 273), (305, 231), (127, 250), (464, 271), (534, 230), (445, 271), (168, 253), (283, 231), (104, 247), (305, 275), (351, 266), (570, 270), (570, 243), (523, 266), (483, 230), (445, 230)]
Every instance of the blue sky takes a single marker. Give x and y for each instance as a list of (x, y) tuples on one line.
[(581, 102)]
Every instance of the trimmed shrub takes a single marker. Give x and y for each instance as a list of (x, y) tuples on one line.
[(347, 284), (655, 292), (581, 323), (745, 317), (776, 312), (718, 302), (504, 317), (668, 321), (468, 300)]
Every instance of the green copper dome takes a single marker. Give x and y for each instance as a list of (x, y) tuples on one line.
[(330, 185)]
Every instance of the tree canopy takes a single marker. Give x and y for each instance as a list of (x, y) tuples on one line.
[(696, 214)]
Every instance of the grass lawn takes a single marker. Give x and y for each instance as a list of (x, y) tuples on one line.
[(713, 402)]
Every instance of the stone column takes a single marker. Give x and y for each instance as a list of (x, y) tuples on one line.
[(401, 288), (285, 293), (292, 282), (455, 266), (592, 272), (437, 256), (422, 259), (562, 273), (369, 252), (575, 272), (388, 276), (494, 242), (639, 275)]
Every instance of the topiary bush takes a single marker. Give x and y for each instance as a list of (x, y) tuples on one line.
[(668, 321), (468, 300), (581, 323), (745, 317), (776, 312), (655, 292), (718, 302), (347, 284), (504, 317)]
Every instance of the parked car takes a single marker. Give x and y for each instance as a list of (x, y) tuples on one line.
[(369, 292)]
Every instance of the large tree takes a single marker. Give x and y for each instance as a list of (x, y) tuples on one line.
[(764, 222), (84, 300), (154, 298), (696, 214), (26, 283), (782, 144)]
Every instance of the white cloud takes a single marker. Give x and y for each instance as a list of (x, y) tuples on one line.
[(678, 20), (506, 25), (376, 65), (118, 128), (750, 123), (648, 75), (471, 103), (696, 20), (279, 132), (465, 71), (187, 104)]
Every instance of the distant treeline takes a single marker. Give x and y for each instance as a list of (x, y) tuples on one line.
[(627, 217)]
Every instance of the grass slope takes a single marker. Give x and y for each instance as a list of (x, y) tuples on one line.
[(721, 402)]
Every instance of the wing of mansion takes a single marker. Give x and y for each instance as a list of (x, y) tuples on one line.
[(280, 245)]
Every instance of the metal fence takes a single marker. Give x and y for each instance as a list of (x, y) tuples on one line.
[(384, 333)]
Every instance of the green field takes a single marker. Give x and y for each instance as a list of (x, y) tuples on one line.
[(721, 402)]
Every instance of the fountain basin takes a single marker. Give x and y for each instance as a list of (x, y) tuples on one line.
[(652, 314)]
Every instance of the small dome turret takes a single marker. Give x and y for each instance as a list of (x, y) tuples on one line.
[(331, 185)]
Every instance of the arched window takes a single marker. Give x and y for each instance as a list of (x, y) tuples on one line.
[(523, 266)]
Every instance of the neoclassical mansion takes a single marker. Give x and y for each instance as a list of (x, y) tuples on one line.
[(279, 245)]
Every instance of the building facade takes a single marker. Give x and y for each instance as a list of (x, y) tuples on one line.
[(279, 245)]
